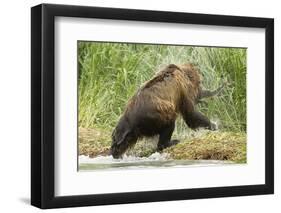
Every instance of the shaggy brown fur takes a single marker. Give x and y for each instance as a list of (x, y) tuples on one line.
[(154, 108)]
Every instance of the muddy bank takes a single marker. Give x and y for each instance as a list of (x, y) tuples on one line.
[(202, 145), (212, 146)]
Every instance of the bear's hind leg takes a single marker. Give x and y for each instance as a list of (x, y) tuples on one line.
[(165, 137)]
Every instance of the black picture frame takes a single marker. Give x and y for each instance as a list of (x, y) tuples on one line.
[(43, 102)]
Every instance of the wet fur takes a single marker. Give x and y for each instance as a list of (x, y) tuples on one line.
[(155, 107)]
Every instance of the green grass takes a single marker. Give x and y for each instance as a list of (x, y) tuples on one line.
[(110, 73)]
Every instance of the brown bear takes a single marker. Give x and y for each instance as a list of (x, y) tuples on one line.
[(155, 107)]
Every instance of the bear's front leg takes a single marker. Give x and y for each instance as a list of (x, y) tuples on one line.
[(196, 120)]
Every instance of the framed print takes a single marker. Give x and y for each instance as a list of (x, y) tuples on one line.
[(139, 106)]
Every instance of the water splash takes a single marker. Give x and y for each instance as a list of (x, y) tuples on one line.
[(156, 160), (217, 122), (126, 159)]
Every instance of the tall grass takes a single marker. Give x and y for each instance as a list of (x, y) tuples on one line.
[(110, 73)]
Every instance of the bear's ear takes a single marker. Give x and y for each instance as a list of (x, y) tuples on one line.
[(173, 66)]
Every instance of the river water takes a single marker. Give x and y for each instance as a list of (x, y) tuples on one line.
[(131, 162)]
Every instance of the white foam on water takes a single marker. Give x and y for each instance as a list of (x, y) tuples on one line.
[(83, 159)]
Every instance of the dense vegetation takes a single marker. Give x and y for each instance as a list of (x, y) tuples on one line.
[(110, 73)]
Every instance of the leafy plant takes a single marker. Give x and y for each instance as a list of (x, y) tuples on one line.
[(110, 73)]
